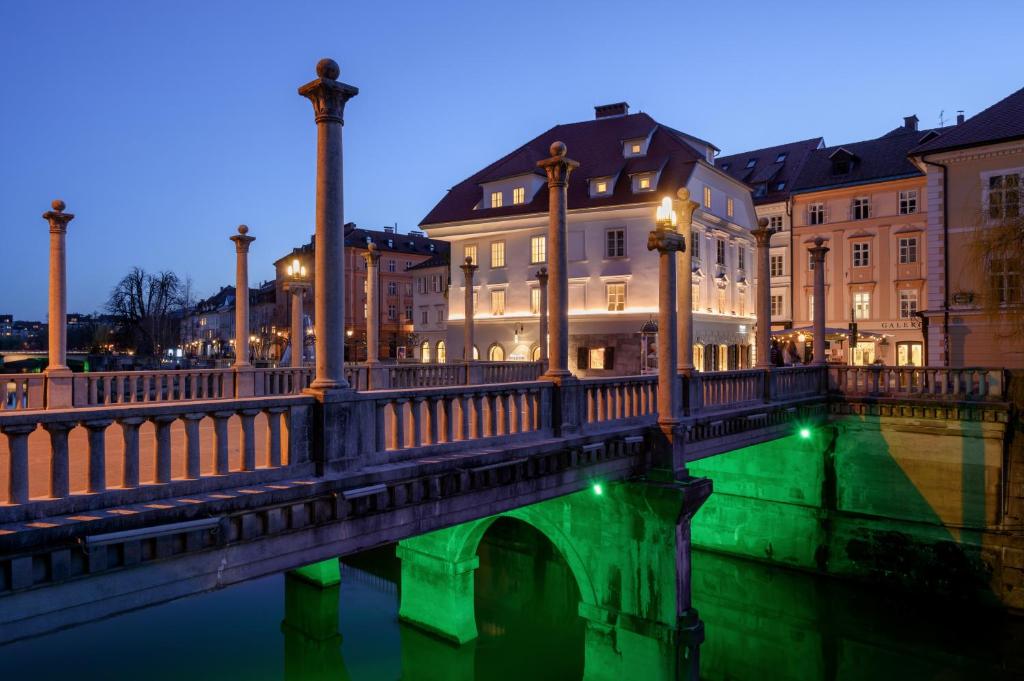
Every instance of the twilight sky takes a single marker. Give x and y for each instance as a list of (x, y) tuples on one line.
[(165, 125)]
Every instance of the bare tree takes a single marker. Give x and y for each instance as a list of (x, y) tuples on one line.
[(997, 254), (146, 307)]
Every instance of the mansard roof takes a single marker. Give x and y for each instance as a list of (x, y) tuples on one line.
[(767, 171), (1001, 122), (597, 146)]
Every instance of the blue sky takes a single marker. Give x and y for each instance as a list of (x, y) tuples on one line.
[(165, 125)]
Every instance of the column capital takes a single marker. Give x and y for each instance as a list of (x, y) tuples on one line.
[(57, 218), (558, 167), (469, 268), (542, 275), (242, 239), (665, 241), (684, 207), (372, 255), (327, 94), (296, 286), (762, 234), (818, 250)]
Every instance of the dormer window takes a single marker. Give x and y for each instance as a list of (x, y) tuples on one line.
[(751, 163), (644, 182), (725, 166), (496, 199), (601, 186), (634, 147), (842, 161), (518, 195), (781, 157), (780, 186)]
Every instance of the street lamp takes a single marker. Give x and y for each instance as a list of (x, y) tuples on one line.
[(666, 217), (297, 285), (296, 269)]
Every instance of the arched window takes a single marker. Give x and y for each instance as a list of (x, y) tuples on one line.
[(425, 352), (442, 353), (496, 353), (535, 353), (698, 357), (723, 357), (476, 352)]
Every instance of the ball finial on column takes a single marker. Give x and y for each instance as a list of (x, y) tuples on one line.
[(243, 229), (683, 194), (469, 260), (58, 205), (762, 222), (818, 242), (328, 69), (558, 149)]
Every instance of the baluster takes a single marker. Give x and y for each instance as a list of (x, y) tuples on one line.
[(478, 415), (515, 413), (59, 483), (529, 424), (433, 436), (222, 463), (97, 454), (17, 479), (416, 421), (192, 447), (130, 435), (248, 417), (91, 396), (379, 426), (162, 438), (591, 405), (398, 423), (449, 418), (274, 436)]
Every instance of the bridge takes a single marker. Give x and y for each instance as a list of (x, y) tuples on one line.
[(124, 489)]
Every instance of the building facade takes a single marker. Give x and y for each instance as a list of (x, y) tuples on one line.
[(498, 218), (975, 175), (866, 200), (430, 309), (771, 173)]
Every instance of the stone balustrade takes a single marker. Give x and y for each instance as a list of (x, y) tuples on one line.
[(283, 381), (966, 384), (98, 457), (22, 391), (413, 422), (100, 388), (614, 400), (722, 389)]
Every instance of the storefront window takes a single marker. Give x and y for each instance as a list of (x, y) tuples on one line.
[(864, 353), (909, 353)]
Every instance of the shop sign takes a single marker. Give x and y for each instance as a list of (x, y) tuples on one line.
[(901, 324)]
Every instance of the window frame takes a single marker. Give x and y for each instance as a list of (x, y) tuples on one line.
[(907, 250), (542, 252), (471, 248), (862, 305), (615, 296), (496, 295), (908, 201), (497, 249), (860, 208), (497, 199), (616, 249), (518, 196), (908, 304), (816, 213), (860, 254)]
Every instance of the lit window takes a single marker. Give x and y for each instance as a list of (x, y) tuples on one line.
[(469, 252), (442, 352), (816, 214), (810, 261), (601, 187), (719, 252), (616, 297), (908, 250), (495, 199), (908, 303), (535, 300), (908, 202), (707, 197), (615, 243), (861, 254), (729, 207), (496, 353), (425, 351), (810, 306), (538, 249), (861, 209), (777, 265), (498, 302), (862, 305), (634, 148), (695, 241), (497, 254), (519, 195), (645, 183)]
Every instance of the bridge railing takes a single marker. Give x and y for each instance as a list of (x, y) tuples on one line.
[(285, 380), (966, 384), (797, 381), (128, 387), (407, 423), (22, 391), (74, 460), (619, 398)]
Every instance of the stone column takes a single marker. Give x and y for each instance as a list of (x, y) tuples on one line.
[(558, 169), (818, 258), (667, 242), (298, 340), (763, 236), (244, 380), (372, 257), (58, 375), (684, 285), (469, 269), (542, 341), (329, 97)]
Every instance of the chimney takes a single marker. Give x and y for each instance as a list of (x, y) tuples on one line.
[(910, 122), (611, 110), (960, 117)]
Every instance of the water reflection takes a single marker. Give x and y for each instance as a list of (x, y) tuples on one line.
[(762, 623)]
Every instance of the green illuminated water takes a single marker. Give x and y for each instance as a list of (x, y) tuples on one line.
[(762, 622)]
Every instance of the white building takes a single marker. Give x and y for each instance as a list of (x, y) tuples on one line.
[(498, 217), (430, 309), (771, 173)]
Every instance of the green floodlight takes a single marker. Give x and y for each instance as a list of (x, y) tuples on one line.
[(805, 433), (598, 489)]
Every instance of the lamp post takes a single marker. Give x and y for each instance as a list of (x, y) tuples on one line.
[(763, 236), (542, 310), (372, 257), (818, 258), (685, 206), (297, 285)]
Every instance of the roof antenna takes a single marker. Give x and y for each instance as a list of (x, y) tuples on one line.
[(942, 121)]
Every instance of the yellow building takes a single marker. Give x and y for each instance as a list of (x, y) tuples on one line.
[(867, 201), (975, 173)]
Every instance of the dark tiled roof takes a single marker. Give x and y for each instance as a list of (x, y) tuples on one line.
[(436, 260), (766, 170), (1001, 122), (597, 146), (883, 158), (387, 242)]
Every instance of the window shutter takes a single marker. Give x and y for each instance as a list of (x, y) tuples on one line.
[(582, 358), (609, 358)]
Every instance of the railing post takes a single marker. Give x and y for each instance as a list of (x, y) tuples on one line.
[(192, 447), (274, 436), (222, 464), (130, 435), (59, 481), (328, 97), (97, 454), (162, 425), (17, 473), (58, 376), (248, 417)]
